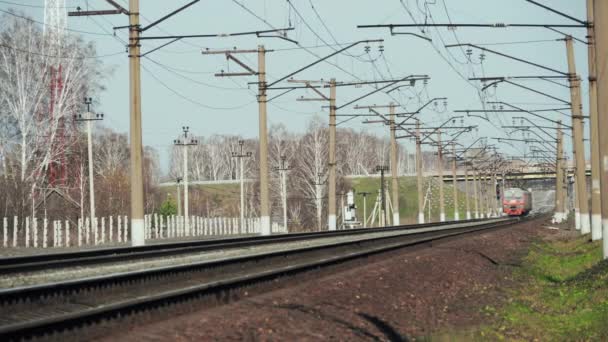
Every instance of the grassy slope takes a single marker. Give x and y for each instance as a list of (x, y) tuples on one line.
[(408, 198), (564, 296)]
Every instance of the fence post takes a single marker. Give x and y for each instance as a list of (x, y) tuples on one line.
[(5, 235), (15, 224), (103, 230), (45, 227), (126, 229), (67, 233), (111, 228), (27, 231), (119, 228), (35, 228)]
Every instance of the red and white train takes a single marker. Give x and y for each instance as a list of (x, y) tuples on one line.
[(517, 202)]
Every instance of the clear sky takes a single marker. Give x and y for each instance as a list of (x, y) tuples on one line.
[(178, 86)]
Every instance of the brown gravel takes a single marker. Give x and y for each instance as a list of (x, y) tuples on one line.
[(399, 296)]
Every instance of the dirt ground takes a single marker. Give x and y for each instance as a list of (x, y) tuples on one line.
[(407, 295)]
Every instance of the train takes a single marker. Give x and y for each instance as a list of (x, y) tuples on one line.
[(517, 202)]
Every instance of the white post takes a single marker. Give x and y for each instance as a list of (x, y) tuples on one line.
[(103, 230), (54, 233), (45, 227), (80, 232), (156, 226), (110, 229), (119, 229), (126, 230), (27, 231), (15, 225), (67, 233), (5, 233), (59, 236), (91, 185), (95, 230), (35, 228)]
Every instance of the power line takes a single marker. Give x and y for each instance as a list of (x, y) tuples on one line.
[(190, 99), (63, 28), (56, 56)]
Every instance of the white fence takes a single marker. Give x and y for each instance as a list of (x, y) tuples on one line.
[(42, 233)]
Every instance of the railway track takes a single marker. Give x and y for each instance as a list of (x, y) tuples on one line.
[(38, 310), (112, 255)]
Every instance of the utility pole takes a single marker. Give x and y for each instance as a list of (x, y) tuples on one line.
[(601, 47), (596, 197), (440, 169), (264, 182), (187, 141), (179, 195), (475, 194), (577, 136), (283, 168), (331, 217), (89, 117), (394, 168), (560, 210), (466, 189), (419, 174), (455, 182), (240, 155), (138, 233), (364, 194), (382, 169)]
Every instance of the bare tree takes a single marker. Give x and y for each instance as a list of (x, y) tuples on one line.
[(312, 167)]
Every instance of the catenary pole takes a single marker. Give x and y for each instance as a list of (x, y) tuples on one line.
[(466, 190), (596, 198), (331, 217), (394, 168), (136, 148), (455, 182), (264, 182), (419, 174), (601, 49), (577, 136), (241, 155), (559, 178), (440, 170)]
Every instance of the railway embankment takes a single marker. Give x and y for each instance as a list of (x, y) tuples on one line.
[(561, 293), (447, 288)]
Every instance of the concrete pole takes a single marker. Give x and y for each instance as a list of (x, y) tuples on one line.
[(419, 174), (186, 203), (179, 199), (466, 190), (601, 48), (284, 179), (331, 216), (264, 183), (475, 194), (136, 148), (394, 168), (455, 182), (596, 197), (494, 184), (90, 152), (559, 178), (577, 136), (440, 169), (242, 177)]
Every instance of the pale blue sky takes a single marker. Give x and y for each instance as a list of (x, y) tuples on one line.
[(222, 105)]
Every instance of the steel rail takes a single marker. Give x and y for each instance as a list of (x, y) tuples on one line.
[(109, 255)]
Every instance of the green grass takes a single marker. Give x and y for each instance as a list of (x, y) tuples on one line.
[(408, 198), (563, 296)]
